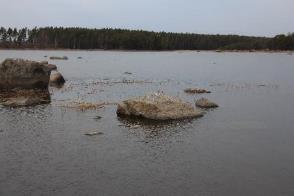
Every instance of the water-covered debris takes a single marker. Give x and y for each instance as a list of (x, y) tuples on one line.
[(157, 106), (128, 73), (59, 58), (86, 105), (131, 126), (56, 79), (24, 101), (216, 84), (123, 81), (18, 98), (196, 91), (273, 86), (249, 86), (79, 57), (94, 133), (205, 103), (97, 117)]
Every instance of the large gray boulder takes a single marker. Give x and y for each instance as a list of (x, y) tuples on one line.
[(157, 107), (24, 82), (23, 74)]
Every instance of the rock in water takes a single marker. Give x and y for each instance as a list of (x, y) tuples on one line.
[(157, 107), (56, 79), (24, 101), (94, 133), (205, 103), (59, 58), (196, 91), (23, 74), (24, 82)]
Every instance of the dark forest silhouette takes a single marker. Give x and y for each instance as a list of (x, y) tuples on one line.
[(121, 39)]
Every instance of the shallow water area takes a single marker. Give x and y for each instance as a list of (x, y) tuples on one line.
[(244, 147)]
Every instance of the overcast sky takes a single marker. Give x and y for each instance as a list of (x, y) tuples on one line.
[(247, 17)]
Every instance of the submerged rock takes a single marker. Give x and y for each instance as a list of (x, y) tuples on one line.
[(24, 101), (94, 133), (196, 91), (157, 107), (97, 117), (59, 58), (23, 74), (205, 103), (56, 79), (20, 98)]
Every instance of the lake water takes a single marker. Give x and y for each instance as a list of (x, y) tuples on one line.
[(244, 147)]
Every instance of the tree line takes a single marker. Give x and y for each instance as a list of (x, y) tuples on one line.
[(122, 39)]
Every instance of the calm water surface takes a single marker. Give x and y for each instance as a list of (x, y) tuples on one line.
[(245, 147)]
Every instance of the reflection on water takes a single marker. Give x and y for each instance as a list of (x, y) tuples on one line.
[(151, 130), (242, 148)]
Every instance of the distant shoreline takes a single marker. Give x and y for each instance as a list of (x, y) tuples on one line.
[(120, 50)]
